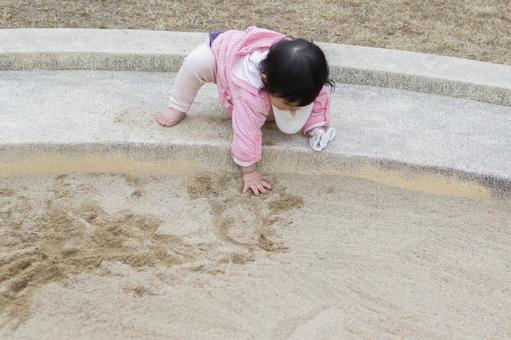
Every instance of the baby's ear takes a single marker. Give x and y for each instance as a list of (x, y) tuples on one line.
[(263, 78)]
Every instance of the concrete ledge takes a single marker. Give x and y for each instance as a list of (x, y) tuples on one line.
[(134, 50), (189, 158), (392, 136)]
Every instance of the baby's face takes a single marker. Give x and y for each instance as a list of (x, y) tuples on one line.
[(282, 104)]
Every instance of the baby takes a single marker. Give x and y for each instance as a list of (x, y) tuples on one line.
[(260, 75)]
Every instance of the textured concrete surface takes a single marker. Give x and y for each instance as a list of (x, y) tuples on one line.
[(104, 111), (163, 51)]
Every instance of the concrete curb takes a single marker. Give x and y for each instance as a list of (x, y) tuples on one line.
[(123, 149), (189, 158), (136, 50)]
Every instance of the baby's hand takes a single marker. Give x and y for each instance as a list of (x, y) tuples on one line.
[(255, 181)]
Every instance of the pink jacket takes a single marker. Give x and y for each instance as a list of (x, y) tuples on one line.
[(249, 106)]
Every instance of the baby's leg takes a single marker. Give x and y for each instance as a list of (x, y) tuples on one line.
[(198, 68)]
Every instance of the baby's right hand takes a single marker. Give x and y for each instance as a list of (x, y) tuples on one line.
[(255, 181)]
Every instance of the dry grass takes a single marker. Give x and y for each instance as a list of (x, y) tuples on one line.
[(477, 29)]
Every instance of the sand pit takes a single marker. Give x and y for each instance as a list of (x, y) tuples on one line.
[(65, 231), (116, 256)]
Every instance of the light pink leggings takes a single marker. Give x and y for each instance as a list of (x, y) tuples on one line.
[(198, 68)]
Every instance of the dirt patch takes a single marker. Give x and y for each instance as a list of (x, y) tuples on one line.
[(140, 291), (201, 186), (6, 192), (285, 202), (256, 216), (239, 258), (65, 242), (50, 240), (48, 236)]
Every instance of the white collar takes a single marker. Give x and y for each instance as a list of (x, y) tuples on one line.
[(290, 123)]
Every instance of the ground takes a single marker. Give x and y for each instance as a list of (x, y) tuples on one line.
[(188, 257), (469, 29), (129, 256)]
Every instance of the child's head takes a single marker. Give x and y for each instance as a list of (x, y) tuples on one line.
[(294, 73)]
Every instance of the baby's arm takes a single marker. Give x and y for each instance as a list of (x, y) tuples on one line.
[(320, 115), (317, 126), (247, 146)]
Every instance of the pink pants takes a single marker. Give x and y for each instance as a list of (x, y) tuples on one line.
[(198, 68)]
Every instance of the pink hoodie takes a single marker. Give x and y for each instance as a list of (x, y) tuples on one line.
[(249, 106)]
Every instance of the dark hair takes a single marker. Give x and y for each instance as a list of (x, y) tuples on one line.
[(295, 70)]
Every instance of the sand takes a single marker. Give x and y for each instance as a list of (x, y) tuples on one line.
[(116, 256)]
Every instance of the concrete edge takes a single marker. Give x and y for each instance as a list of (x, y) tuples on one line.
[(160, 51), (186, 158)]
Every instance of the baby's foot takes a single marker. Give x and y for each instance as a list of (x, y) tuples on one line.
[(170, 117)]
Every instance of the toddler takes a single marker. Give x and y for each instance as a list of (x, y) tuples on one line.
[(260, 75)]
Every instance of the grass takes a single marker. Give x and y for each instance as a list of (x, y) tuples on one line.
[(477, 29)]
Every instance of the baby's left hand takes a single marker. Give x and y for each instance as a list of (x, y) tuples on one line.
[(319, 138)]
